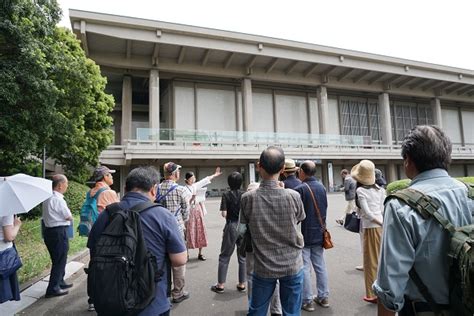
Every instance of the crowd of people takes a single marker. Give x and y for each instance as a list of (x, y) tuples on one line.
[(277, 227)]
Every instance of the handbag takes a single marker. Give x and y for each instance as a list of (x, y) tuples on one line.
[(327, 242), (10, 262), (245, 244), (352, 222)]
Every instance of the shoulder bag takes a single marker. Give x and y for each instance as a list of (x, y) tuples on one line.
[(327, 242)]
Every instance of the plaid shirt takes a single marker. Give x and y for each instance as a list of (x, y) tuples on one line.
[(272, 214), (176, 201)]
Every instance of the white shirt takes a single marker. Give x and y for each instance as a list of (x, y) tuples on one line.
[(5, 221), (55, 211), (371, 205)]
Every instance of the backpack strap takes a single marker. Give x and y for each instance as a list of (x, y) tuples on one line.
[(96, 196), (160, 197), (425, 205), (470, 189), (140, 207)]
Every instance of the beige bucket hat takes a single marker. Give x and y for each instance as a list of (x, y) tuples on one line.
[(364, 172)]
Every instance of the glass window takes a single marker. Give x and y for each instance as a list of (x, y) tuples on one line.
[(359, 116), (406, 115)]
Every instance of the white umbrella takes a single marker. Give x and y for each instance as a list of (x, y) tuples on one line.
[(20, 193)]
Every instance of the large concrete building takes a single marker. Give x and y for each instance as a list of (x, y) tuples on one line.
[(204, 98)]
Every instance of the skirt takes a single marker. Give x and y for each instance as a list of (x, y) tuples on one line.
[(9, 289), (196, 236)]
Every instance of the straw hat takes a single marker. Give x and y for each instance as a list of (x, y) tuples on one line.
[(290, 165), (364, 172)]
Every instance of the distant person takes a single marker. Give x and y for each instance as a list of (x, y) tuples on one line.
[(314, 197), (230, 209), (175, 198), (9, 287), (104, 195), (57, 218), (410, 241), (272, 214), (196, 235), (160, 231), (369, 200), (289, 173), (349, 193), (275, 305), (380, 179)]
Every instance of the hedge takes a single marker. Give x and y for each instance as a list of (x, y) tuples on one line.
[(404, 183)]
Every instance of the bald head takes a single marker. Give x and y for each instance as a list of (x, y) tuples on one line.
[(309, 168), (272, 160), (60, 183)]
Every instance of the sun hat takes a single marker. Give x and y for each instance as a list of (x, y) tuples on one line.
[(290, 165), (364, 172)]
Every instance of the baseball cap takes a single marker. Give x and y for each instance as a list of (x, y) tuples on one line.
[(100, 172), (171, 167)]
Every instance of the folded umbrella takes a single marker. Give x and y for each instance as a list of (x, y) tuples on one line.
[(20, 193)]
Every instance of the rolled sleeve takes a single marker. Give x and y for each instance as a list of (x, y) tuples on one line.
[(397, 257)]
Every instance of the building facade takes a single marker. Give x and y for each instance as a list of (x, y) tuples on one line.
[(205, 98)]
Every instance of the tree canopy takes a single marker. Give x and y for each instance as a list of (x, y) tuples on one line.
[(51, 94)]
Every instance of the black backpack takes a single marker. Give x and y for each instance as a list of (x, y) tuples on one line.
[(122, 272)]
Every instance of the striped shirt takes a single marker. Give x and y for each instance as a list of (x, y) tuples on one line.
[(272, 214)]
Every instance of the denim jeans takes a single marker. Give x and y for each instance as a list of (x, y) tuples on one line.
[(290, 294), (314, 256)]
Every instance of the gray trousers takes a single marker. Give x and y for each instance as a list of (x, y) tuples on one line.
[(275, 304), (229, 242)]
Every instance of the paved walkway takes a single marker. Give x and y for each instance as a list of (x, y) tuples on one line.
[(345, 283)]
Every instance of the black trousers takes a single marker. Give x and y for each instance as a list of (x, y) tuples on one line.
[(57, 242)]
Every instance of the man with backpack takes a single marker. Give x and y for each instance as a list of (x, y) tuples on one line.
[(415, 275), (175, 198), (159, 230)]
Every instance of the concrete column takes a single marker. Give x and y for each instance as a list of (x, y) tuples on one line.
[(154, 104), (436, 104), (323, 110), (391, 173), (247, 107), (126, 108), (385, 121)]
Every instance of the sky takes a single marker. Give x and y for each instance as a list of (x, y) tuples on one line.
[(436, 31)]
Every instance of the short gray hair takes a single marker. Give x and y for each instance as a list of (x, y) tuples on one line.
[(142, 178)]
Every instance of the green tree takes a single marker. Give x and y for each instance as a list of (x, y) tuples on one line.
[(51, 95)]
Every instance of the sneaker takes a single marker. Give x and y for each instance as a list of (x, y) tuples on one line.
[(359, 268), (91, 308), (309, 307), (216, 289), (241, 289), (183, 297), (340, 221), (323, 302)]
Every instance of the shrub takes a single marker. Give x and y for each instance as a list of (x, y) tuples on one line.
[(404, 183), (75, 196)]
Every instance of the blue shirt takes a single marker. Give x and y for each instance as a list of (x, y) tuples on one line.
[(311, 227), (409, 240), (291, 182), (162, 237)]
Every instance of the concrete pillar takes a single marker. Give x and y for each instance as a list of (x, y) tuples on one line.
[(437, 116), (126, 109), (323, 110), (154, 104), (384, 119), (247, 106), (392, 173)]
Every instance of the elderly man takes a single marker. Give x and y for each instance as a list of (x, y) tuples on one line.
[(315, 204), (408, 240), (272, 214), (56, 219), (291, 181), (175, 198), (349, 193), (160, 231)]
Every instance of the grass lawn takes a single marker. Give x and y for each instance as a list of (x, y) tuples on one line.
[(33, 252)]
